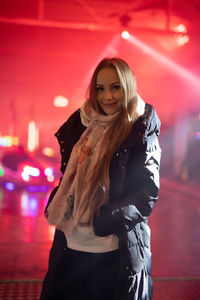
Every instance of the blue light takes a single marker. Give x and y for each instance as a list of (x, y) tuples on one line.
[(48, 171), (33, 205), (39, 188), (198, 135), (9, 186), (29, 205)]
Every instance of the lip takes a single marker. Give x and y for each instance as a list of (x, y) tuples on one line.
[(110, 104)]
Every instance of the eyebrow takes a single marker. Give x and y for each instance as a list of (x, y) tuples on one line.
[(116, 82)]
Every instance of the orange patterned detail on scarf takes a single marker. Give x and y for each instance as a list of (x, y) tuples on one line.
[(85, 151), (71, 177)]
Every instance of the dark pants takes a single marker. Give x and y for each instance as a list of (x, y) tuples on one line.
[(82, 276)]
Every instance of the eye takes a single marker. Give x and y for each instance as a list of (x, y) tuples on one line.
[(99, 88), (116, 87)]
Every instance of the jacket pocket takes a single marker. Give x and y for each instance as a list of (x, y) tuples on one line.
[(133, 255), (133, 260)]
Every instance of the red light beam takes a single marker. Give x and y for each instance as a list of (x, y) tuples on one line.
[(167, 62)]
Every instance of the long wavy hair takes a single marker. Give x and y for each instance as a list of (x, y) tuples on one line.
[(119, 130)]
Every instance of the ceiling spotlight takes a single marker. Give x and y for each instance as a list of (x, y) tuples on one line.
[(182, 40), (180, 28), (125, 35), (182, 37)]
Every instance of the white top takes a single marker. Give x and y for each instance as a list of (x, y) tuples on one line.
[(84, 239)]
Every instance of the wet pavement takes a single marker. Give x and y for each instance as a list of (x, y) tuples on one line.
[(25, 240)]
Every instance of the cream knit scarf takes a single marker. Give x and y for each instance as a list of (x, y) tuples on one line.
[(75, 185)]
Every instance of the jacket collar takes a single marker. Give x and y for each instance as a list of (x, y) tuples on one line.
[(145, 126)]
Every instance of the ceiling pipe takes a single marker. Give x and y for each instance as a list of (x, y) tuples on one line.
[(168, 14), (41, 9), (80, 26), (54, 24)]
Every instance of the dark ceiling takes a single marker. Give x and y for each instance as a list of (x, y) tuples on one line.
[(102, 15)]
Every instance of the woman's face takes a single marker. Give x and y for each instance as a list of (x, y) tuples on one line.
[(110, 95)]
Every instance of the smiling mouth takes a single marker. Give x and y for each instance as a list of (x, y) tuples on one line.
[(110, 104)]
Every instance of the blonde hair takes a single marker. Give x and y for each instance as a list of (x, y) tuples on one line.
[(123, 124), (117, 133)]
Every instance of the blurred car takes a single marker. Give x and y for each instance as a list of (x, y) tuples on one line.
[(19, 169)]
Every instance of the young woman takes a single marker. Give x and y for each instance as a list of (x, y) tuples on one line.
[(110, 165)]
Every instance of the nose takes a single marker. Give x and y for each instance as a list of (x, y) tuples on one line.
[(108, 94)]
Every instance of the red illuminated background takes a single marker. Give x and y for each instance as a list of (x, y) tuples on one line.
[(49, 48)]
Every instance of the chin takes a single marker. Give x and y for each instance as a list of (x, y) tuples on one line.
[(107, 112)]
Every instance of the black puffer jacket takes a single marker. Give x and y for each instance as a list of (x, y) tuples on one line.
[(134, 186)]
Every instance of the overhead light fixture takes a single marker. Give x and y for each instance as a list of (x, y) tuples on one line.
[(125, 20), (182, 40), (125, 35), (182, 37), (180, 28)]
